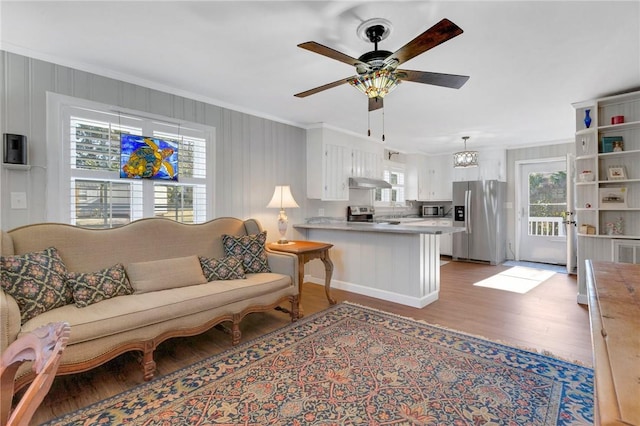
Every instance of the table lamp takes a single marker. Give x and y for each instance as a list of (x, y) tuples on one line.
[(282, 199)]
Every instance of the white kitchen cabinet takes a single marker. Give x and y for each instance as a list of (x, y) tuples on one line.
[(429, 178), (337, 168), (413, 164), (440, 185), (333, 157), (366, 163), (446, 240)]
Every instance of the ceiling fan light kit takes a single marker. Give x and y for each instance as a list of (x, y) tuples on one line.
[(376, 84), (465, 158)]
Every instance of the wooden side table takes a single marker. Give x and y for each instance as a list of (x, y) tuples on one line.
[(307, 251)]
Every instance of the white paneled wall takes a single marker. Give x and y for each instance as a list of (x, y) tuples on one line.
[(253, 154)]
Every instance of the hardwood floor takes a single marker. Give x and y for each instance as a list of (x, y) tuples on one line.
[(545, 319)]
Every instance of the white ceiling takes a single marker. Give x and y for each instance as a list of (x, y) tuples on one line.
[(528, 61)]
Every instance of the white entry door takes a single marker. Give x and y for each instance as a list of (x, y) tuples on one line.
[(542, 202)]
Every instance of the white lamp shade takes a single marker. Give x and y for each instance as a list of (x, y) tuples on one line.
[(282, 198)]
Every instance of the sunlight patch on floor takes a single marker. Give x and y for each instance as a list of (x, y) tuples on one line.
[(518, 279)]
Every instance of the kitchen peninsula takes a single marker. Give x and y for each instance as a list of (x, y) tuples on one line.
[(398, 262)]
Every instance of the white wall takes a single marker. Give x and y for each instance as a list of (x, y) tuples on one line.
[(252, 154)]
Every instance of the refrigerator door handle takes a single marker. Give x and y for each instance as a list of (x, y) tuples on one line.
[(467, 207)]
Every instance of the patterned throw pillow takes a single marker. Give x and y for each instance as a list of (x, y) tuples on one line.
[(36, 280), (92, 287), (250, 248), (227, 268)]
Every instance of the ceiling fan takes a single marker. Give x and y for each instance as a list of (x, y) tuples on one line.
[(377, 71)]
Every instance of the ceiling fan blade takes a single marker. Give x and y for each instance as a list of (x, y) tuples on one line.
[(318, 48), (437, 79), (375, 103), (439, 33), (323, 87)]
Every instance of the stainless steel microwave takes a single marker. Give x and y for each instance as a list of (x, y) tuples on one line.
[(432, 211)]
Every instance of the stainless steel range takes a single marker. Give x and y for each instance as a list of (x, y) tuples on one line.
[(360, 213)]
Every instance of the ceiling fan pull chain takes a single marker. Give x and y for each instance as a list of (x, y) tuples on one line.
[(383, 124), (368, 123)]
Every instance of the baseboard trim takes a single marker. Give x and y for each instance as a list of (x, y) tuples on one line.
[(414, 302)]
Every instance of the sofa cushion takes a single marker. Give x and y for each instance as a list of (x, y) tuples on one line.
[(126, 313), (92, 287), (166, 273), (36, 280), (251, 249), (226, 268)]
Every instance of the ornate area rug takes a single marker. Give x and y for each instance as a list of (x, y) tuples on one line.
[(351, 365)]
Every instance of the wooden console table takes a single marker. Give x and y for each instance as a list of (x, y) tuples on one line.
[(614, 311), (307, 251)]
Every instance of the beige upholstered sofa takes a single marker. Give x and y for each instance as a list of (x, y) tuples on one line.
[(169, 299)]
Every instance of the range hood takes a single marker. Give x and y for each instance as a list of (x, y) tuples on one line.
[(367, 183)]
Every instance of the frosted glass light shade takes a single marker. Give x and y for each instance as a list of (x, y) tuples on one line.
[(465, 159)]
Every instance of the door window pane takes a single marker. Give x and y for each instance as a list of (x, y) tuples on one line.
[(547, 203)]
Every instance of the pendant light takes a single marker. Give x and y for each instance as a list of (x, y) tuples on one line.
[(465, 158)]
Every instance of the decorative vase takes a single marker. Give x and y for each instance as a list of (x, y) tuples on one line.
[(587, 118), (618, 226)]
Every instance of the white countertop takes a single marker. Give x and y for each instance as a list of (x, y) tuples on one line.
[(405, 227)]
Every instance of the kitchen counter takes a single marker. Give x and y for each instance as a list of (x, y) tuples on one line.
[(395, 262), (414, 226)]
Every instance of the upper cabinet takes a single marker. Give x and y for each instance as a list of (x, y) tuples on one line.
[(440, 176), (366, 163), (429, 178), (608, 167), (333, 157)]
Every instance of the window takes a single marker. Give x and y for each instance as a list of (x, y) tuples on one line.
[(99, 198), (394, 174), (547, 203)]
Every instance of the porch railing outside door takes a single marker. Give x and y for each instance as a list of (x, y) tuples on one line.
[(547, 226)]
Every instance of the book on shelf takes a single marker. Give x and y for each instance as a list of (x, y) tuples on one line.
[(612, 144)]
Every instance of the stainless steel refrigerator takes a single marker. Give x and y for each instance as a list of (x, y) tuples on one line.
[(478, 206)]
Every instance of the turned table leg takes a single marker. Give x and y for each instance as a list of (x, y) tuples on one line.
[(301, 261), (306, 251), (328, 272)]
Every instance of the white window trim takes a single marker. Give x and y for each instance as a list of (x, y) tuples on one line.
[(58, 174)]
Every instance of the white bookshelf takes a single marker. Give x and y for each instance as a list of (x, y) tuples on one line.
[(590, 156)]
